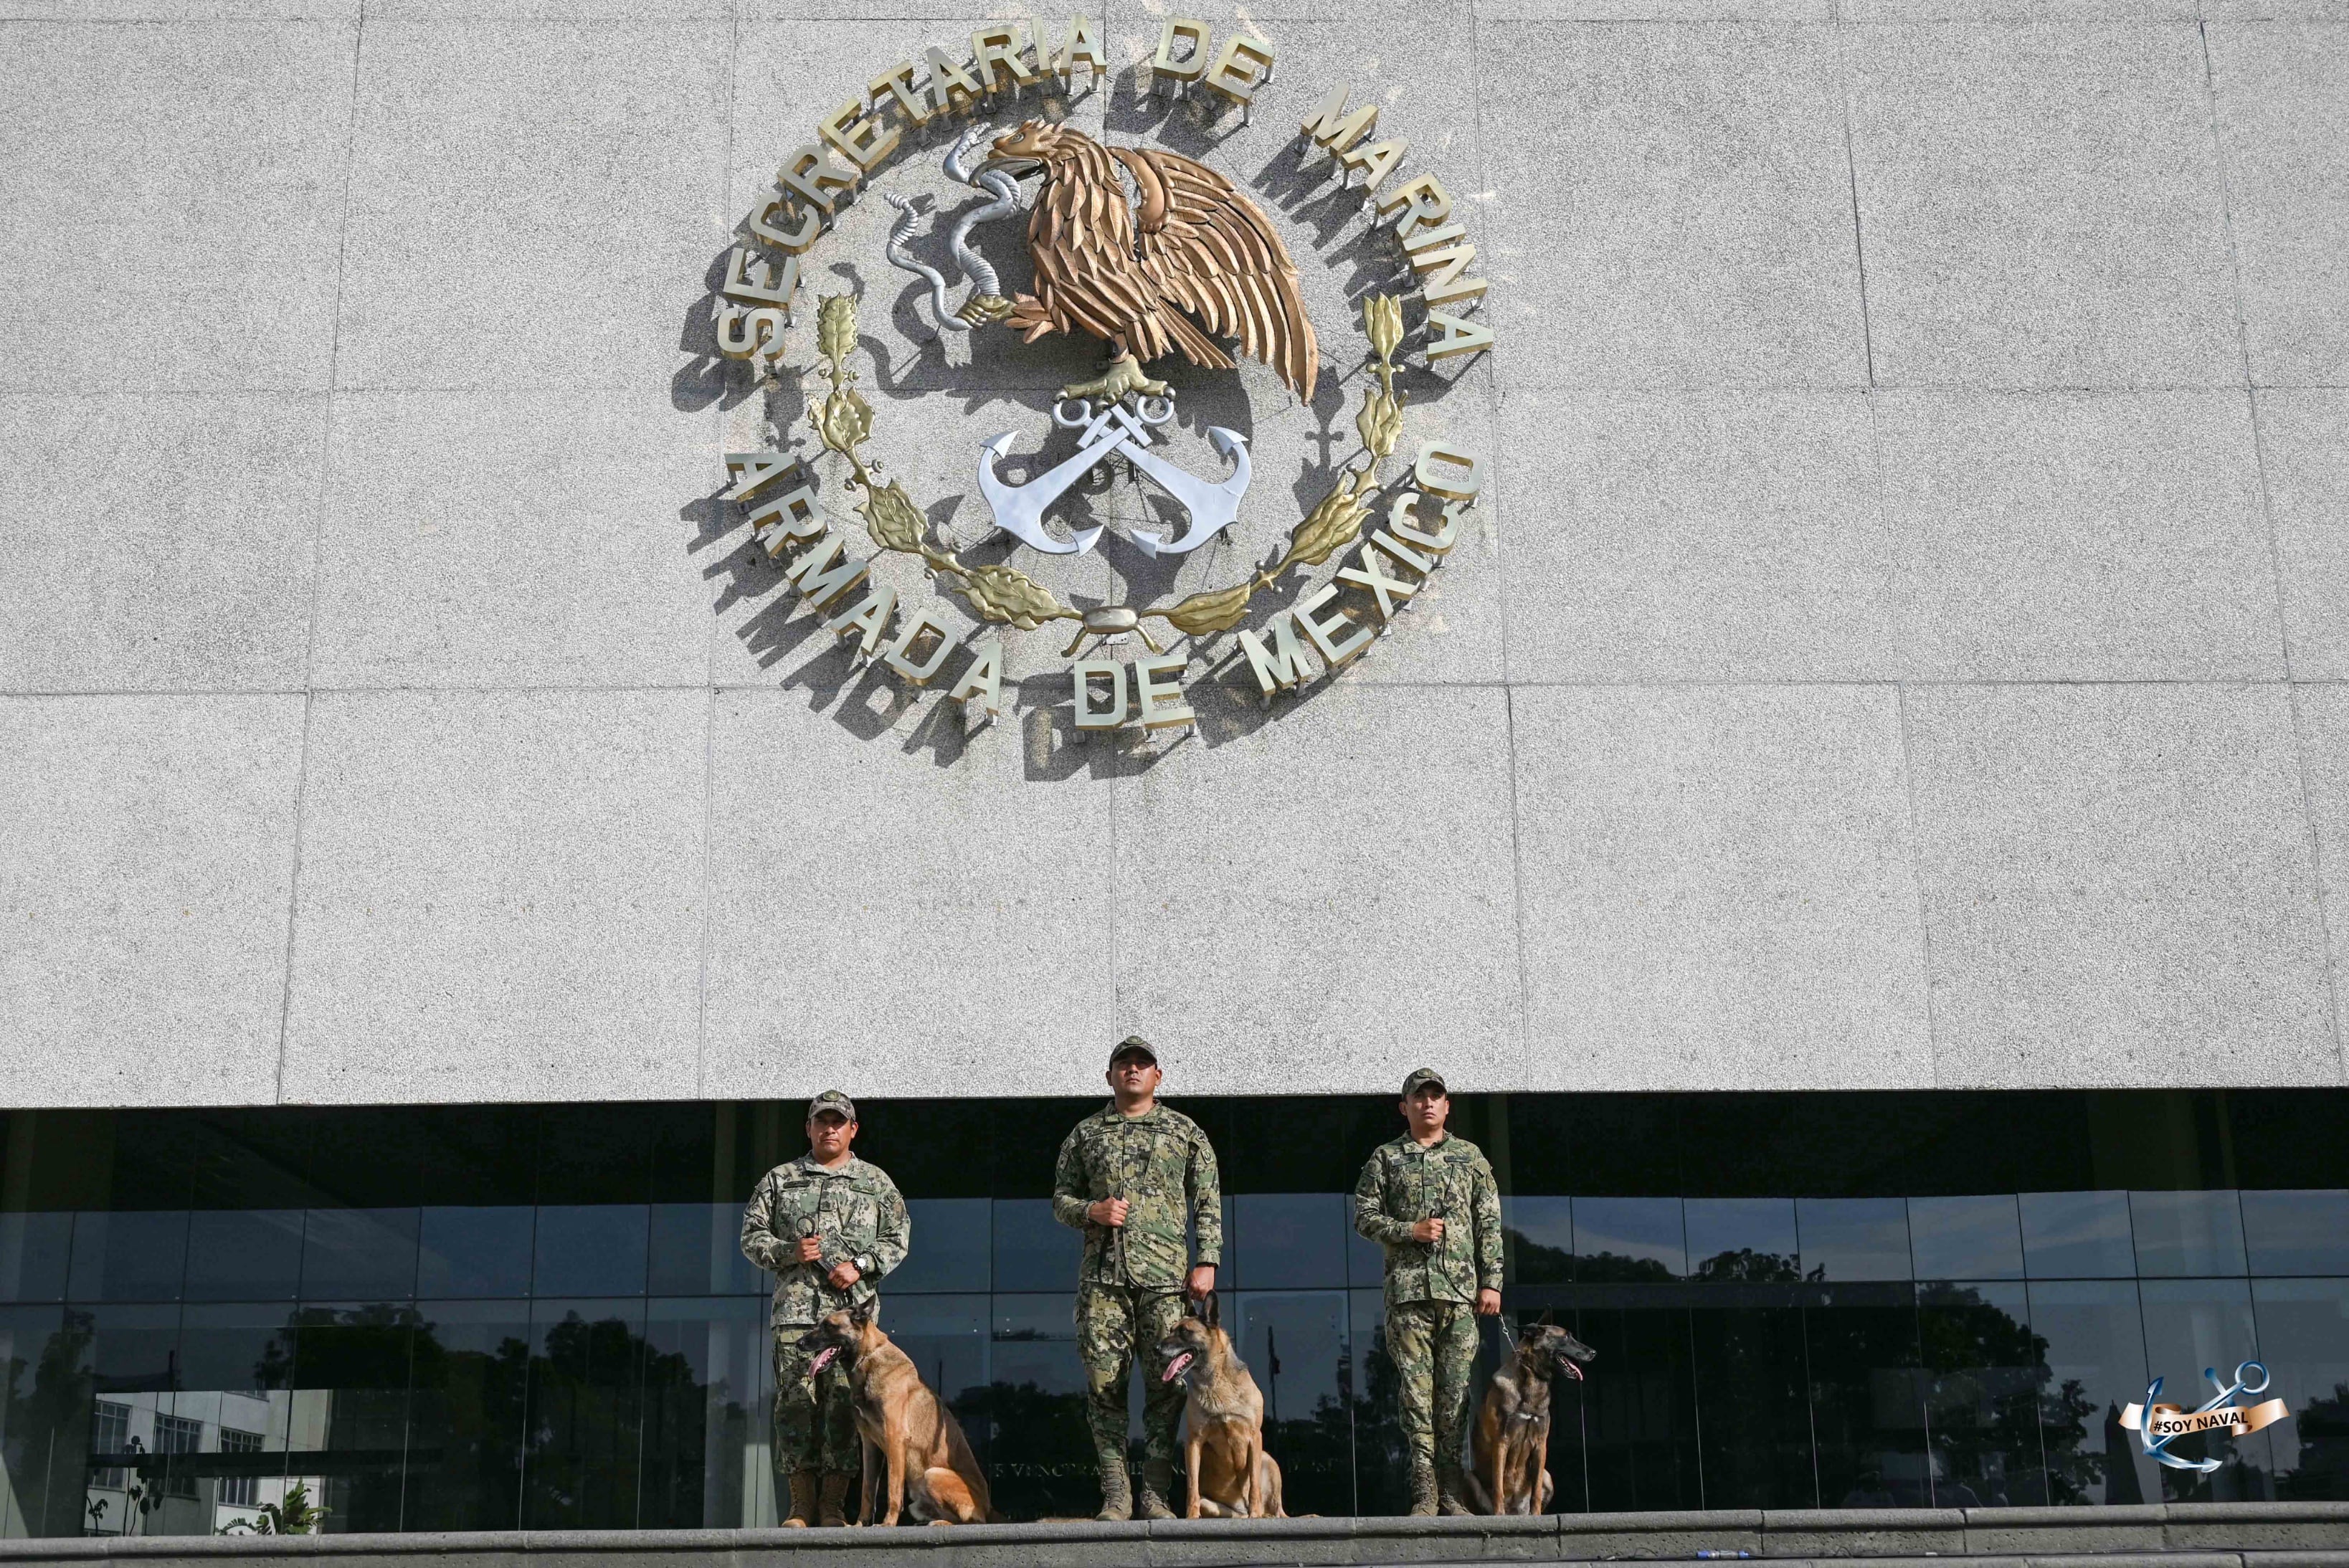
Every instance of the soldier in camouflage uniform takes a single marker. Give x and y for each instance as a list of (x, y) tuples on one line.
[(828, 1226), (1429, 1200), (1129, 1177)]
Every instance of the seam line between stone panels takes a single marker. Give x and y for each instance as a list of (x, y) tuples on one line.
[(1916, 873), (2313, 841), (317, 552), (1841, 34)]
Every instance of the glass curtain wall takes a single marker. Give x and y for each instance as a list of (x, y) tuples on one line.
[(487, 1317)]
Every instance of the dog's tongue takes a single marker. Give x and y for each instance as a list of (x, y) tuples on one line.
[(823, 1359), (1573, 1371), (1174, 1368)]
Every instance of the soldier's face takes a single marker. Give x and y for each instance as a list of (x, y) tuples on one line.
[(1426, 1108), (1134, 1077), (830, 1134)]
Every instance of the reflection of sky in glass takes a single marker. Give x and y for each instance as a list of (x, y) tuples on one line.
[(1966, 1238), (138, 1254), (1853, 1238), (1540, 1235), (2188, 1232), (479, 1251), (358, 1254), (953, 1246), (2303, 1232), (1645, 1230), (1034, 1251), (1718, 1226), (590, 1250), (1288, 1239), (2078, 1236), (34, 1250), (1307, 1329)]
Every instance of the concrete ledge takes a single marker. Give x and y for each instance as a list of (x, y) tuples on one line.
[(2174, 1535)]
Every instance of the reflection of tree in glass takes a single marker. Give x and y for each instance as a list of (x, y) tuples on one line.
[(1536, 1263), (1992, 1410), (44, 1433), (2323, 1473), (1746, 1266), (1035, 1446)]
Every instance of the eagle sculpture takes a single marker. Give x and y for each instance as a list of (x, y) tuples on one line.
[(1130, 244)]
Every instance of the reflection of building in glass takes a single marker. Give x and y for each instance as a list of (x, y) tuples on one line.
[(505, 1317)]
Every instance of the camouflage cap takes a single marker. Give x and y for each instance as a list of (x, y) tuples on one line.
[(831, 1099), (1133, 1044), (1423, 1076)]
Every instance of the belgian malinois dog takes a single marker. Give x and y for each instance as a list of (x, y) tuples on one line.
[(913, 1444), (1223, 1421), (1512, 1439)]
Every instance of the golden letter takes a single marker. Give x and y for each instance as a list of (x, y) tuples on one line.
[(921, 620), (1447, 283), (1243, 64), (897, 82), (867, 621), (1375, 162), (764, 284), (1459, 336), (1419, 201), (1284, 668), (790, 241), (822, 573), (1161, 707), (1403, 517), (1464, 487), (1165, 67), (952, 90), (1329, 637), (1325, 127), (1083, 48), (754, 471), (814, 173), (983, 682), (1112, 714), (788, 516), (995, 53), (868, 141)]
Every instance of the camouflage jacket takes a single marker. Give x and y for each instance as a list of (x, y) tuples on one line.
[(1162, 1166), (1402, 1184), (855, 1209)]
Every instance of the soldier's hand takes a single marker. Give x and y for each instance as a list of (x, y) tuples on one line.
[(1110, 1212), (809, 1249), (1428, 1231), (844, 1274), (1201, 1281), (1488, 1304)]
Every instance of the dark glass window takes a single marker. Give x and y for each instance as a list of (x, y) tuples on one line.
[(2188, 1232), (359, 1255), (1742, 1239), (1288, 1239), (2191, 1326), (2297, 1232), (953, 1246), (1630, 1239), (2078, 1236), (477, 1317), (1853, 1238), (36, 1250), (1966, 1238), (2304, 1327), (474, 1252), (590, 1249), (2095, 1337)]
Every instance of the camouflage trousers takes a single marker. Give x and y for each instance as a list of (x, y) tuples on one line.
[(815, 1419), (1117, 1325), (1434, 1345)]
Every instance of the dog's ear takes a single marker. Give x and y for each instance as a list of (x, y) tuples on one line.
[(1544, 1320), (1214, 1309), (862, 1313)]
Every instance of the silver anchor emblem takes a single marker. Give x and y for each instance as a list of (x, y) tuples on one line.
[(1020, 508)]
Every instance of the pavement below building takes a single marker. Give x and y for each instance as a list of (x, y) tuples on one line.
[(2179, 1535)]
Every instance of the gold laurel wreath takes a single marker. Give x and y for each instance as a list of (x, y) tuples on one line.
[(1006, 596)]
